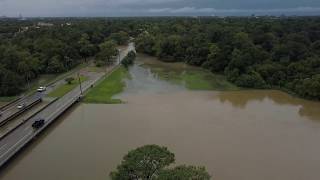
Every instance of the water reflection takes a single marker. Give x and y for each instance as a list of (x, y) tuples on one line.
[(150, 75), (243, 135), (241, 99), (190, 77), (143, 81)]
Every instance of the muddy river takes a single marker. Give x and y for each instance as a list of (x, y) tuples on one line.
[(237, 135)]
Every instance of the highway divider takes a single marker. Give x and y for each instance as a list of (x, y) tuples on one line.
[(3, 122), (3, 136), (2, 108)]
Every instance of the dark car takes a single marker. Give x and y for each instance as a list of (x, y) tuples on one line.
[(38, 124)]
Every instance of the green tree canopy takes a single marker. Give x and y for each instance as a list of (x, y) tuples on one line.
[(86, 48), (120, 38), (151, 162), (129, 59), (108, 50), (184, 172)]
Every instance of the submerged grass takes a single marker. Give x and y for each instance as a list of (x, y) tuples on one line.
[(111, 85), (203, 80), (193, 78), (64, 89)]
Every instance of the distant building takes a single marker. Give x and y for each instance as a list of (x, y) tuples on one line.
[(23, 29), (43, 24)]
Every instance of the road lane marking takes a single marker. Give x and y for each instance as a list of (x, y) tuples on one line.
[(67, 102), (27, 128), (14, 146), (3, 146)]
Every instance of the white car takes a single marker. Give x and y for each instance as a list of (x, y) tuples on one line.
[(41, 89), (20, 106)]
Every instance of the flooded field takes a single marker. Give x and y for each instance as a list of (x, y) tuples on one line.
[(243, 135)]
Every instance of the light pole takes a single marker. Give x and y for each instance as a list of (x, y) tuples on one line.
[(119, 55), (80, 84), (28, 81)]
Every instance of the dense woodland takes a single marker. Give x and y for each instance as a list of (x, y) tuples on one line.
[(266, 52), (28, 50)]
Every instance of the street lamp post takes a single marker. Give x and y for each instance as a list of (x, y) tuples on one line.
[(119, 55), (80, 84)]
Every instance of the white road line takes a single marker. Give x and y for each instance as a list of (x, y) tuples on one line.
[(27, 128), (3, 146), (14, 146)]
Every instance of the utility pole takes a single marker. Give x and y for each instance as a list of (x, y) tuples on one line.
[(80, 83), (28, 81), (106, 69), (119, 55)]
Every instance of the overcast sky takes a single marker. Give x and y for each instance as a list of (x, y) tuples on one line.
[(36, 8)]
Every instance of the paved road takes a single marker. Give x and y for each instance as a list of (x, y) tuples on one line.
[(11, 110), (18, 138), (12, 124)]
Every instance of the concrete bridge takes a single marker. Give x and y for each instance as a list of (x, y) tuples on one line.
[(16, 140)]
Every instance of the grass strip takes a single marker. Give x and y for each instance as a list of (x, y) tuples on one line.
[(64, 89), (111, 85)]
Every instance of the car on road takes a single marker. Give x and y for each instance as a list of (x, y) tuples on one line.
[(38, 123), (21, 106), (42, 88)]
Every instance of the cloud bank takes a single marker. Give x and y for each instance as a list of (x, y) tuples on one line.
[(213, 10), (156, 7)]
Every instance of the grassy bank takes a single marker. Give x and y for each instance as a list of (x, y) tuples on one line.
[(111, 85), (64, 89)]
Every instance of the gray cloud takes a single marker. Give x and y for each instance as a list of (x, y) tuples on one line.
[(213, 10), (155, 7)]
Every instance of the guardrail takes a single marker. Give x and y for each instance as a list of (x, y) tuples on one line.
[(36, 101), (2, 108), (29, 94), (49, 120), (29, 137), (24, 121)]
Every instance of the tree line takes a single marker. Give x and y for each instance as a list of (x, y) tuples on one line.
[(28, 50), (266, 52)]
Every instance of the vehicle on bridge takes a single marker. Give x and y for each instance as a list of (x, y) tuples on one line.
[(42, 88), (38, 123), (21, 106)]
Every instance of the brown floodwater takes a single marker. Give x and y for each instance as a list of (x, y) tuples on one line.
[(242, 135)]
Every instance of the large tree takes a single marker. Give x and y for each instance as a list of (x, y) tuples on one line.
[(108, 50), (120, 38), (86, 48), (151, 162)]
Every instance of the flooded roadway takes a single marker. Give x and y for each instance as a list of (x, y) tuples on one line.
[(243, 135)]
